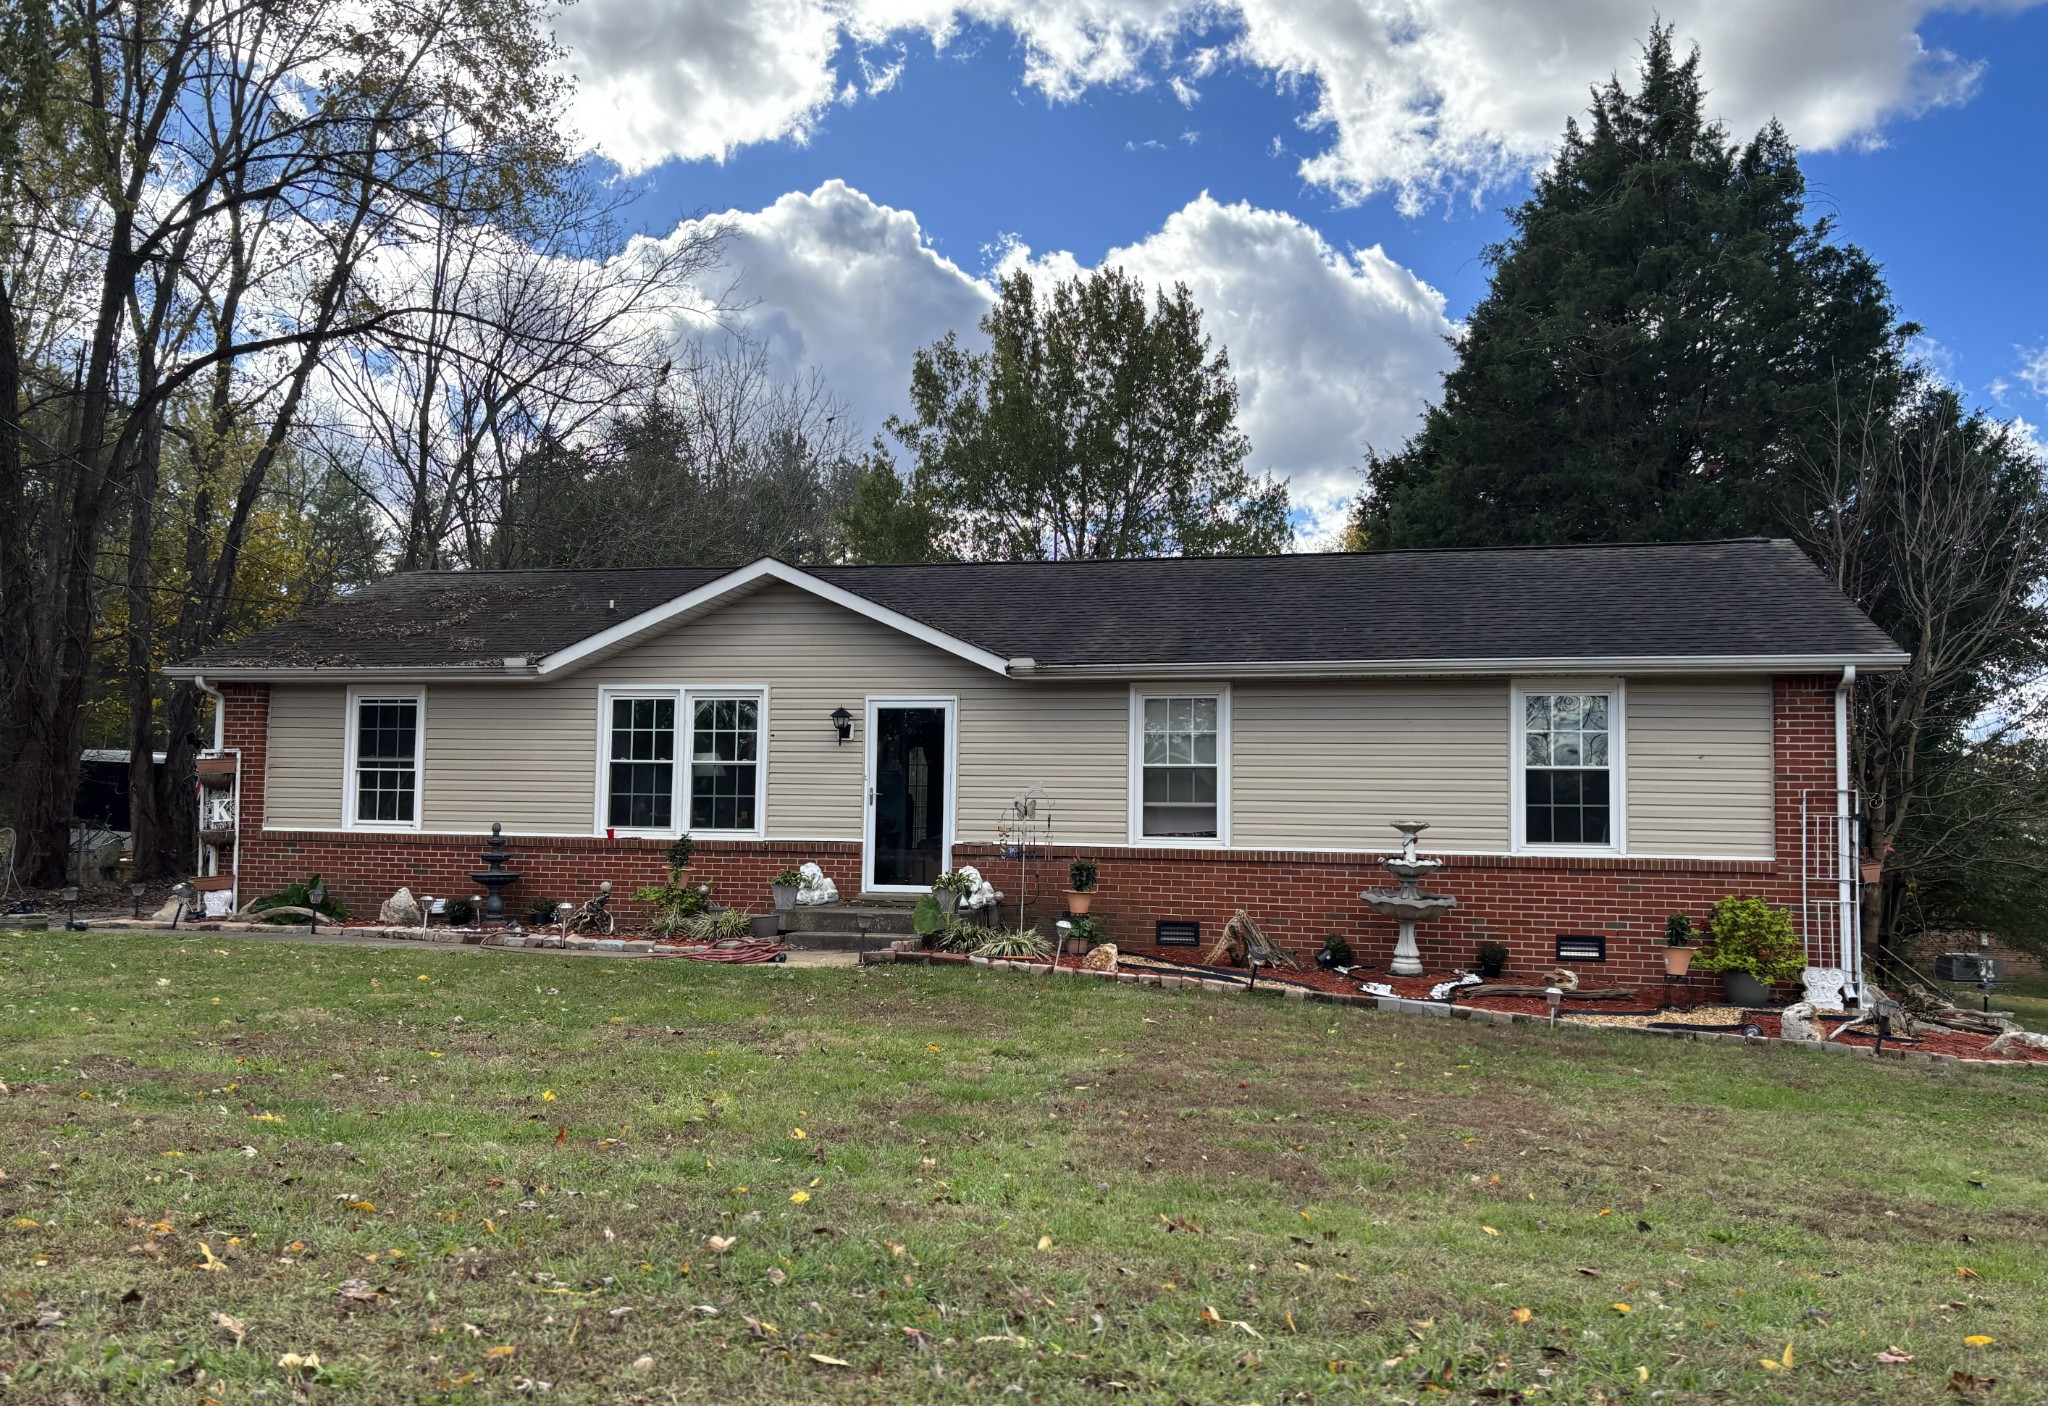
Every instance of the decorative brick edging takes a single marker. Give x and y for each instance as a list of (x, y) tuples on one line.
[(1401, 1005)]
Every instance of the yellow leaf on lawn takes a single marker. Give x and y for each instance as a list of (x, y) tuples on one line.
[(830, 1361), (934, 1049), (1522, 1315), (547, 1095), (490, 1229), (1621, 1308), (1489, 1230), (1963, 1271), (362, 1205), (800, 1197), (799, 1134), (1978, 1340), (265, 1118), (1786, 1356), (1607, 1210), (1045, 1242), (26, 1223), (502, 1350)]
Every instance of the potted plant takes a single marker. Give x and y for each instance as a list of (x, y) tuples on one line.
[(1752, 945), (1084, 932), (766, 927), (1081, 890), (1336, 953), (679, 861), (1677, 944), (1493, 960), (949, 888), (784, 887)]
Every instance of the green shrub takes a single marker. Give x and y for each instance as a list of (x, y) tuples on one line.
[(459, 912), (1749, 935), (788, 878), (996, 943), (299, 896), (953, 881), (679, 853), (1338, 948), (674, 905), (540, 913), (1492, 955), (1090, 929), (722, 926), (1081, 875)]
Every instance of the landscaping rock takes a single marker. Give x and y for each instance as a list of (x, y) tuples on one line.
[(167, 913), (401, 910), (1795, 1024)]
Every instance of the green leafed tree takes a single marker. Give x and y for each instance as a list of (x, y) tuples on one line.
[(1095, 424), (1663, 331)]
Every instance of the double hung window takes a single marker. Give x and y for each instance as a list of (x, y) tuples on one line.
[(1568, 761), (678, 759), (1182, 764), (384, 741)]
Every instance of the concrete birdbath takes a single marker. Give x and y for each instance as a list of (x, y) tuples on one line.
[(1408, 905)]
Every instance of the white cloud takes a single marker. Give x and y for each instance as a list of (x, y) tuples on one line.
[(2033, 369), (1332, 350), (1409, 95)]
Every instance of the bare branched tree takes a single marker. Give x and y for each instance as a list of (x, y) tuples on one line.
[(1936, 522), (208, 186)]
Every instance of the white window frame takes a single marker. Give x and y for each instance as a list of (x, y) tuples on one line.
[(352, 736), (1617, 763), (1136, 779), (685, 697)]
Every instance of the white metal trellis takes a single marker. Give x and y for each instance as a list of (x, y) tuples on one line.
[(1830, 910)]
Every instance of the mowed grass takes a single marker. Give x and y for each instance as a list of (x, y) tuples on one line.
[(454, 1176)]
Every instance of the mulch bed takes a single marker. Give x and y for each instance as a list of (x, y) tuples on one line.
[(1704, 1015)]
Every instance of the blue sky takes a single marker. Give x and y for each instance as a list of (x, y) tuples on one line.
[(881, 160)]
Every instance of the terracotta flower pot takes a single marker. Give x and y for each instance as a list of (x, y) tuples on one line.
[(1677, 961), (1873, 871), (1078, 901)]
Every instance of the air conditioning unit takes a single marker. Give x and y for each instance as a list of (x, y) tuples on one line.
[(1967, 967)]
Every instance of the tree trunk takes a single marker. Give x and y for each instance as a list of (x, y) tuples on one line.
[(140, 668)]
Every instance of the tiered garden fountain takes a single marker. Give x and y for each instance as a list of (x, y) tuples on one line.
[(1408, 905)]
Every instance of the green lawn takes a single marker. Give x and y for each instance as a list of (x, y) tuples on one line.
[(453, 1176)]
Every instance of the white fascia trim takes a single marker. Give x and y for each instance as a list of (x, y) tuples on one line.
[(1431, 668), (357, 673), (741, 579)]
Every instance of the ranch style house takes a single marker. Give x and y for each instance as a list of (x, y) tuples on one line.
[(1597, 736)]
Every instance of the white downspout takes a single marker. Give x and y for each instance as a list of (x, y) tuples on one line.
[(1847, 870)]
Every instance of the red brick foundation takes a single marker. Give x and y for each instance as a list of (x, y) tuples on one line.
[(1524, 902)]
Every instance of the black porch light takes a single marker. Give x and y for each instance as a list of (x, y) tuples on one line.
[(842, 723)]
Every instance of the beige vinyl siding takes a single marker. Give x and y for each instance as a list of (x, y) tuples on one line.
[(302, 771), (813, 656), (1700, 767), (521, 756), (1329, 765)]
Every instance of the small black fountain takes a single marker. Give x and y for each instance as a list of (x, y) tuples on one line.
[(495, 876)]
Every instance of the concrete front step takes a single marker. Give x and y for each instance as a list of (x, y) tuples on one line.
[(883, 919)]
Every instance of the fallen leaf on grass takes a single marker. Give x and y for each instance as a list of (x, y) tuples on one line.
[(366, 1207), (721, 1243), (1621, 1308), (1892, 1357), (1044, 1242), (300, 1362), (1783, 1361), (1960, 1381), (359, 1290), (1963, 1271), (502, 1350), (823, 1360), (642, 1362), (1489, 1230), (799, 1197), (1978, 1340), (232, 1326), (208, 1261), (1522, 1315)]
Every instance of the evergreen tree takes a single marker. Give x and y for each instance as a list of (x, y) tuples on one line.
[(1091, 427), (1663, 334)]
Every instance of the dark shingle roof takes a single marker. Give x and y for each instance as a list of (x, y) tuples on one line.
[(1749, 598)]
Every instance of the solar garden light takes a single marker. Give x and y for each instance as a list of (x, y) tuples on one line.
[(315, 896), (183, 893), (562, 912), (426, 913), (1555, 997), (135, 893), (71, 923)]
